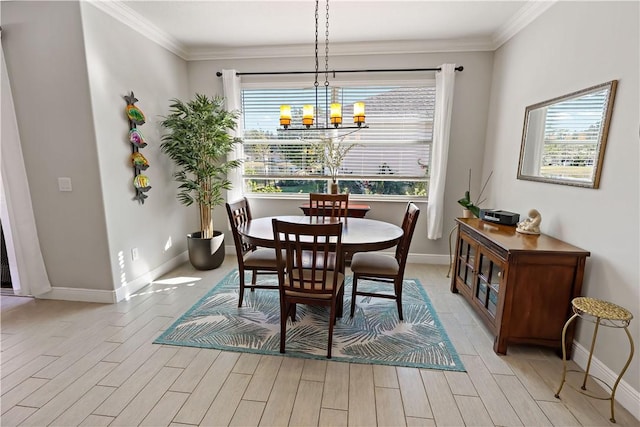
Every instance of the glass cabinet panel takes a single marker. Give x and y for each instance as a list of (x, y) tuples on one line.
[(488, 282), (467, 259)]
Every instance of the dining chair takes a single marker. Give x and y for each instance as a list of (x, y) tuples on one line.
[(250, 258), (323, 205), (385, 268), (320, 284)]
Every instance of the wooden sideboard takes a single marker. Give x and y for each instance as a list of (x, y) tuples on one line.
[(521, 285), (353, 210)]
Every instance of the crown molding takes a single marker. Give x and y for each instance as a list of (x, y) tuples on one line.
[(346, 49), (526, 15), (123, 13), (137, 22)]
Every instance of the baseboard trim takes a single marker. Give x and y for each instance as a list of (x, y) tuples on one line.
[(626, 396), (110, 297), (129, 288)]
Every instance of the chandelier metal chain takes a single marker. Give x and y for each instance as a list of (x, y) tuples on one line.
[(317, 15), (333, 112), (326, 47)]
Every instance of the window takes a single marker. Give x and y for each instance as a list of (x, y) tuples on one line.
[(390, 158)]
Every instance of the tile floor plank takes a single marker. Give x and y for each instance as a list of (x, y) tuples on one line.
[(420, 422), (147, 398), (196, 406), (164, 411), (361, 396), (96, 421), (67, 397), (67, 377), (306, 408), (333, 418), (16, 415), (15, 378), (136, 382), (191, 375), (314, 370), (443, 404), (80, 410), (224, 405), (385, 376), (12, 397), (389, 410), (183, 357), (460, 383), (263, 379), (147, 334), (558, 414), (243, 389), (473, 411), (247, 363), (492, 396), (414, 397), (248, 414), (336, 386), (521, 401), (125, 369), (280, 403)]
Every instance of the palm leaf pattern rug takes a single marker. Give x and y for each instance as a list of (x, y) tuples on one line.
[(374, 335)]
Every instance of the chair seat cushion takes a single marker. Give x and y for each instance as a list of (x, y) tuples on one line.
[(374, 263), (262, 257), (307, 274)]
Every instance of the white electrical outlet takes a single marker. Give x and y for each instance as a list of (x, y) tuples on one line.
[(134, 254), (64, 184)]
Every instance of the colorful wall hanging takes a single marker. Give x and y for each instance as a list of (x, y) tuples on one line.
[(137, 140)]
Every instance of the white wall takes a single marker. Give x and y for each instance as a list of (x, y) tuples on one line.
[(467, 134), (44, 51), (120, 60), (575, 45), (70, 66)]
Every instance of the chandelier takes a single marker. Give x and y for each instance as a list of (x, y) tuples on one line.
[(333, 112)]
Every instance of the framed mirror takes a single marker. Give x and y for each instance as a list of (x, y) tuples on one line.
[(563, 139)]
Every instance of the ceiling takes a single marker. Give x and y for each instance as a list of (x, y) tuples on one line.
[(242, 28)]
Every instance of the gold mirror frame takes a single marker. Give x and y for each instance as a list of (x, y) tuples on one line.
[(543, 125)]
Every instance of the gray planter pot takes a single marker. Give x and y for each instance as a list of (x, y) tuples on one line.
[(206, 254)]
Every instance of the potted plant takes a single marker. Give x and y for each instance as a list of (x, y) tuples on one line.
[(470, 207), (198, 142), (332, 152)]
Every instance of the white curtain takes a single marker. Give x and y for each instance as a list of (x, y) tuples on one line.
[(28, 273), (231, 87), (445, 80)]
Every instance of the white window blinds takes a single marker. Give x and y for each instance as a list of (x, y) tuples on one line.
[(390, 158)]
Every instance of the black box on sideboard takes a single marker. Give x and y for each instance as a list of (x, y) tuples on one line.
[(498, 216)]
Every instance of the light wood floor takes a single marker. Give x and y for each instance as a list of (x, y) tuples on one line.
[(68, 363)]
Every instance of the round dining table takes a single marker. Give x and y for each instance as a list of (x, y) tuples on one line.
[(358, 234)]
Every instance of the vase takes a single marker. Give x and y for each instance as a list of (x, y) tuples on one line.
[(334, 188), (466, 213)]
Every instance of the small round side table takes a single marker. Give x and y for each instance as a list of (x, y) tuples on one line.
[(601, 313)]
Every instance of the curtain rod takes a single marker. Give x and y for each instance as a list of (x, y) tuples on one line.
[(263, 73)]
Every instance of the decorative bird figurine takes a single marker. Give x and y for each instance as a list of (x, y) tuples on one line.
[(141, 182), (135, 115), (139, 161), (136, 138)]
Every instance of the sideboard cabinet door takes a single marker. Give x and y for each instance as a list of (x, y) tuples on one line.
[(521, 285)]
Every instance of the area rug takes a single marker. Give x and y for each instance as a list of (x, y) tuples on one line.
[(374, 335)]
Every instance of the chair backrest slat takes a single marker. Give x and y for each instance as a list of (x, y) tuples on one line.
[(294, 242), (239, 213), (408, 227), (328, 205)]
